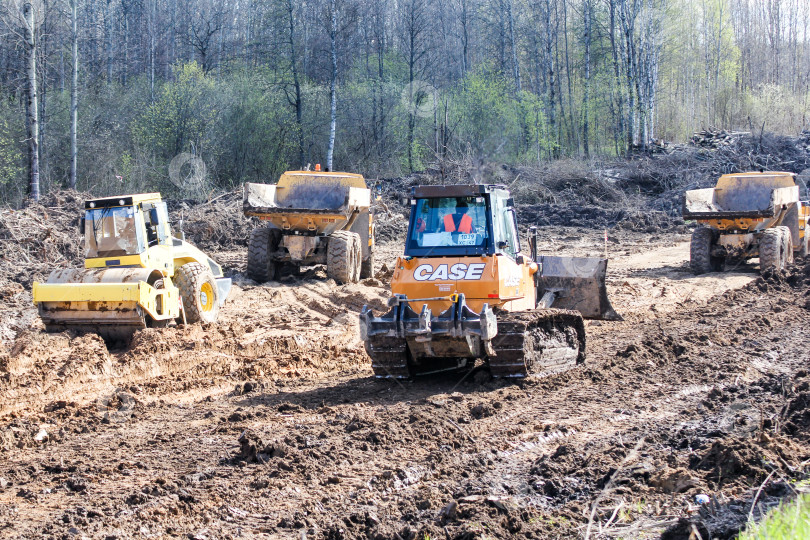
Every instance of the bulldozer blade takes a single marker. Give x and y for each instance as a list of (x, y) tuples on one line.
[(576, 283)]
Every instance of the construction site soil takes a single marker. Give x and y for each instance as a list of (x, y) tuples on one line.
[(270, 424)]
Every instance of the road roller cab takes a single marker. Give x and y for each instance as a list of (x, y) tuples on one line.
[(136, 274)]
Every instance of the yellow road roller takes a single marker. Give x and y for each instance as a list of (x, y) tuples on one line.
[(136, 274)]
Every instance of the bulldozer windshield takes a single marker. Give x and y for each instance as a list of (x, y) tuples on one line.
[(113, 232), (449, 224)]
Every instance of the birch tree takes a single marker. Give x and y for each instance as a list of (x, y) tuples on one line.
[(333, 28), (74, 91)]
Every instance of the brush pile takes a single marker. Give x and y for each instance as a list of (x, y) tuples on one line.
[(716, 138), (41, 237)]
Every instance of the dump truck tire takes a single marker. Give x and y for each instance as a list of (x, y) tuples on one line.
[(343, 257), (263, 243), (198, 289), (787, 245), (367, 268), (771, 250), (700, 251)]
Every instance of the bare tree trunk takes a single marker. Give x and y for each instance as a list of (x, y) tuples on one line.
[(414, 27), (298, 103), (109, 30), (125, 7), (32, 105), (172, 40), (333, 84), (617, 78), (380, 34), (573, 134), (465, 38), (152, 32), (551, 75), (74, 92), (586, 97), (515, 64), (628, 19)]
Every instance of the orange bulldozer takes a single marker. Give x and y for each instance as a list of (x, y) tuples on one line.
[(465, 291)]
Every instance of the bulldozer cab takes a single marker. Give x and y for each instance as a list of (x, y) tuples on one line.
[(125, 226), (461, 220)]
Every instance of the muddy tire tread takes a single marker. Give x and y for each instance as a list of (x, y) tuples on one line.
[(787, 245), (263, 242), (342, 257), (700, 259), (189, 279), (770, 250)]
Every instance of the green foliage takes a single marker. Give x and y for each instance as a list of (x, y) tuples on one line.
[(492, 119), (256, 132), (790, 520), (180, 118), (12, 156), (485, 111)]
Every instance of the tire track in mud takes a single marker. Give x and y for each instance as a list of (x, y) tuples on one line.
[(45, 368), (264, 332), (352, 457)]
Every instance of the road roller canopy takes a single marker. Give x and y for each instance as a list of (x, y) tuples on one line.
[(125, 225), (461, 220), (113, 232)]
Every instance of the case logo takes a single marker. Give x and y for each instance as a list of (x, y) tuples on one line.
[(426, 272)]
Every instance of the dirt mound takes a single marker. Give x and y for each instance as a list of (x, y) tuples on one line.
[(797, 411), (391, 223)]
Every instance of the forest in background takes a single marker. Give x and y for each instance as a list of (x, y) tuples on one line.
[(104, 95)]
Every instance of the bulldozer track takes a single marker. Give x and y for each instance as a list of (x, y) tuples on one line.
[(537, 342), (389, 357)]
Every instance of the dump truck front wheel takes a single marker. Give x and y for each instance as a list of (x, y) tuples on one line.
[(263, 243), (773, 249), (344, 257), (700, 252), (198, 289)]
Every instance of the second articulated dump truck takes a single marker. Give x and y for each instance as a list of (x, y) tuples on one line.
[(747, 215), (313, 217)]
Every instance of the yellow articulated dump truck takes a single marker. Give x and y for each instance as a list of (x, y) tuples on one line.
[(136, 274), (313, 217), (747, 215), (465, 290)]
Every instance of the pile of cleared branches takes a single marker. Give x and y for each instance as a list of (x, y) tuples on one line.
[(716, 138), (41, 237), (216, 224)]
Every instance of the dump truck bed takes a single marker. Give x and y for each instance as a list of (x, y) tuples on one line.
[(308, 202), (747, 195)]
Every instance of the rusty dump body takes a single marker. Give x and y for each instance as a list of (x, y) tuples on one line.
[(743, 202), (464, 291), (304, 209), (739, 216)]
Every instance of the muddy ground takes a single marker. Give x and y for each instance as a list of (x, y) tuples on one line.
[(269, 423)]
